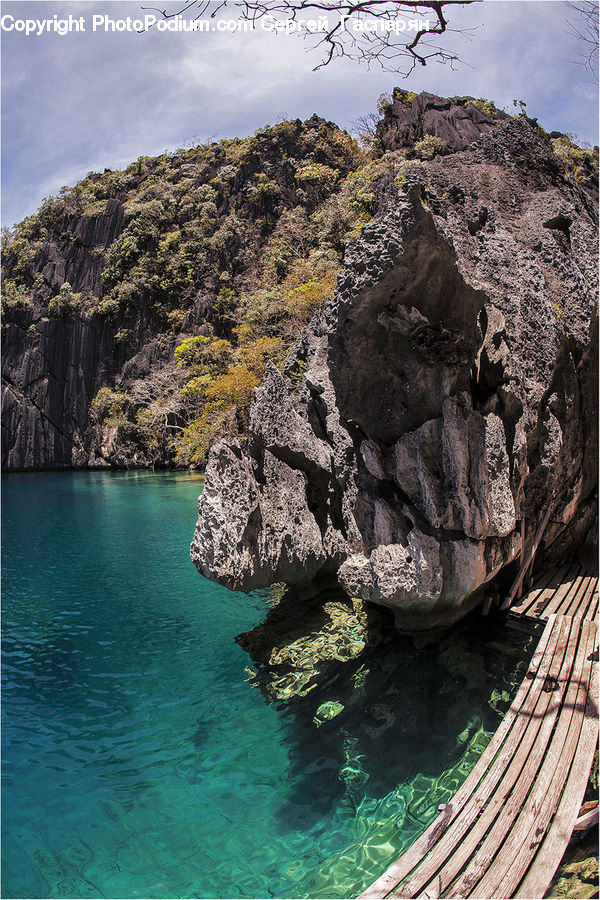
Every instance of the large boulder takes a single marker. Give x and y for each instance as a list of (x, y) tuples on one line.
[(443, 397)]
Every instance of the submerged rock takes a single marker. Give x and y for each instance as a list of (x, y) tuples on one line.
[(577, 875), (443, 396), (298, 640), (328, 710)]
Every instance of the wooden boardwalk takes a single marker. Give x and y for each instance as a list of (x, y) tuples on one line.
[(566, 591), (505, 830)]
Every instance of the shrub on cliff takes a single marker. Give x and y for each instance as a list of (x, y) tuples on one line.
[(428, 147), (580, 162), (204, 355), (15, 300), (110, 407), (65, 304)]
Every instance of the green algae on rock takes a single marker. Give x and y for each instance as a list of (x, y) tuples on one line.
[(577, 876)]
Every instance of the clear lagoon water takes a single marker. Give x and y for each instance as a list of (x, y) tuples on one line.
[(140, 761)]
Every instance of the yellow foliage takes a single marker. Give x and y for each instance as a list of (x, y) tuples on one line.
[(110, 407), (316, 172), (235, 387), (195, 388), (255, 354), (170, 240), (192, 446), (203, 354), (305, 299), (226, 413), (428, 147)]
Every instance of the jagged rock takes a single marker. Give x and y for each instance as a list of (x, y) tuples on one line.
[(443, 396), (259, 518), (457, 122)]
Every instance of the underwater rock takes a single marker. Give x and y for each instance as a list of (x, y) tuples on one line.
[(298, 638), (577, 879), (328, 710), (586, 870)]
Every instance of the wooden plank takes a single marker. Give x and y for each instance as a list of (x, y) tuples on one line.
[(459, 841), (567, 576), (579, 599), (565, 590), (509, 867), (537, 669), (568, 596), (550, 853), (593, 609), (527, 599), (516, 760), (497, 819), (587, 606), (529, 557), (506, 869), (542, 582), (589, 596), (586, 821), (545, 577), (542, 590)]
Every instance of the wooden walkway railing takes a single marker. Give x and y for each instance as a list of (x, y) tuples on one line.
[(505, 830)]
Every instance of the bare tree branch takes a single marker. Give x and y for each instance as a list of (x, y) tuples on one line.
[(585, 28), (364, 30), (365, 128)]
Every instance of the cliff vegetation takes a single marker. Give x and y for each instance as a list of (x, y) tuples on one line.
[(140, 307)]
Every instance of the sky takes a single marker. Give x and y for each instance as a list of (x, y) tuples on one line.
[(86, 101)]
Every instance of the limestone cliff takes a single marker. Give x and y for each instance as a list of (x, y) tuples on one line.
[(107, 279), (52, 369), (446, 393)]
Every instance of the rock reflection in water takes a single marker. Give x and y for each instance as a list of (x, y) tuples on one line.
[(406, 724)]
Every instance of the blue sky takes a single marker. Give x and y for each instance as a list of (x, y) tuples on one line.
[(81, 102)]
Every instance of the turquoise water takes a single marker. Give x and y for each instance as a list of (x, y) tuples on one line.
[(139, 761)]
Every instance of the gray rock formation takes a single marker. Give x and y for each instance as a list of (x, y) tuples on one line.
[(457, 122), (445, 395), (48, 379)]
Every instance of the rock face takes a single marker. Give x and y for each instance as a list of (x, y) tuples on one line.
[(457, 122), (49, 378), (103, 283), (445, 395)]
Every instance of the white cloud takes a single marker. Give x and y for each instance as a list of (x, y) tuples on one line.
[(81, 102)]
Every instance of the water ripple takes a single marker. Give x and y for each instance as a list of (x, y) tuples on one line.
[(139, 762)]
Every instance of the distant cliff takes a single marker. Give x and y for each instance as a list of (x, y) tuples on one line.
[(446, 393), (232, 245), (53, 367)]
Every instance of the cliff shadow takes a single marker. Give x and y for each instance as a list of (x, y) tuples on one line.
[(369, 712)]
